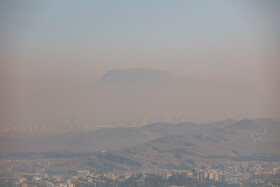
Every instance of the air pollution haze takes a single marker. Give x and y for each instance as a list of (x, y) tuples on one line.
[(147, 71), (127, 95), (224, 57)]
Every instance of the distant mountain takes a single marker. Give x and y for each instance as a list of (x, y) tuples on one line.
[(133, 97), (134, 93)]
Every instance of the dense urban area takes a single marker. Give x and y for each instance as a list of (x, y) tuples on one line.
[(34, 173)]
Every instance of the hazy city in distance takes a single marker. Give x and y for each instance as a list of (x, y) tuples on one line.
[(139, 93)]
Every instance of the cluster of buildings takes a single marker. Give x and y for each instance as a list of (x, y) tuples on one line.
[(213, 175), (238, 173)]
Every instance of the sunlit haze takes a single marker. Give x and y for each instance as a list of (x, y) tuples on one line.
[(52, 51)]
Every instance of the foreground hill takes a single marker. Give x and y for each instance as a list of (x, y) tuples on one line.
[(205, 145), (108, 139), (158, 145)]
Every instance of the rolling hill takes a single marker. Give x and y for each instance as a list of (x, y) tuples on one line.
[(202, 145)]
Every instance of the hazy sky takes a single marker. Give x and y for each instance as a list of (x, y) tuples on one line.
[(63, 45)]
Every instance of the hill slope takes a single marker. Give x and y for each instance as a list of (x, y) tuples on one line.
[(203, 146)]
